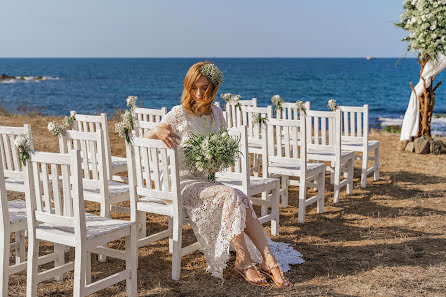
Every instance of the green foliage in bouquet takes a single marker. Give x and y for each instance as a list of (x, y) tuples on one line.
[(211, 152)]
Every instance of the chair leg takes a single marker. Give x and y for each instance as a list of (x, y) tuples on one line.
[(88, 269), (264, 208), (176, 249), (142, 220), (4, 263), (365, 159), (170, 225), (275, 210), (59, 250), (20, 252), (320, 180), (302, 198), (350, 171), (105, 212), (337, 179), (376, 172), (31, 273), (284, 180), (80, 265), (131, 261)]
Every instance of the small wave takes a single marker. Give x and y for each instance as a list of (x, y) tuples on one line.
[(19, 79), (438, 124)]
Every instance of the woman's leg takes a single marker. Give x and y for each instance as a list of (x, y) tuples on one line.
[(243, 259), (257, 235)]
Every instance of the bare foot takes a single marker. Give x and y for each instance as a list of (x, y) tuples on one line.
[(251, 274), (276, 274)]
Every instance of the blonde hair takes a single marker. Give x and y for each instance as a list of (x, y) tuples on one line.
[(192, 75)]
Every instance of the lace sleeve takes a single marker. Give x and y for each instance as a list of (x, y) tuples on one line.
[(219, 117), (175, 118)]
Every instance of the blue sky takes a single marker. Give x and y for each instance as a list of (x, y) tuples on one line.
[(195, 28)]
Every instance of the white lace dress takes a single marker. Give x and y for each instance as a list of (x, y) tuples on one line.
[(218, 212)]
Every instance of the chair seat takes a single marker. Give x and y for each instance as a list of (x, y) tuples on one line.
[(314, 154), (294, 170), (254, 182), (357, 145), (119, 164), (115, 190), (15, 184), (17, 211), (96, 226)]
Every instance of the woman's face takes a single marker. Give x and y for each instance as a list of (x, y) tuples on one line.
[(199, 88)]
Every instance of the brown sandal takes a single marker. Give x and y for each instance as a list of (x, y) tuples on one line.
[(286, 283), (243, 273)]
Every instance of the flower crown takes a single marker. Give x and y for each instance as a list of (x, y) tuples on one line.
[(212, 73)]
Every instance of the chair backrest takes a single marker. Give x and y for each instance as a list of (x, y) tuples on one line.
[(9, 154), (234, 113), (153, 171), (4, 221), (91, 123), (289, 111), (254, 130), (286, 143), (149, 114), (91, 148), (54, 193), (324, 131), (355, 122), (240, 170)]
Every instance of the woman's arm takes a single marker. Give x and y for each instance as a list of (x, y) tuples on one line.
[(163, 132)]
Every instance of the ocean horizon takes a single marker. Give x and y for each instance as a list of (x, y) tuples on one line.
[(54, 86)]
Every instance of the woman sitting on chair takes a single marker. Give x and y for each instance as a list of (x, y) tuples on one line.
[(220, 214)]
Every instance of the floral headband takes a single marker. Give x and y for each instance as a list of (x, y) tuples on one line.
[(212, 73)]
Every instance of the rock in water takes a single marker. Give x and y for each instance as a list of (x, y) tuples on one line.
[(422, 145), (409, 147)]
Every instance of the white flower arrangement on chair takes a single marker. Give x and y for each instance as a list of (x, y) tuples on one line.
[(276, 100), (56, 129), (257, 119), (332, 104), (301, 107), (69, 120), (23, 144)]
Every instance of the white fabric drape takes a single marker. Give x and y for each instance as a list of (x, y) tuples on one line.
[(412, 115)]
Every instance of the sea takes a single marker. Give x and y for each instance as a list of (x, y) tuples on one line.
[(54, 86)]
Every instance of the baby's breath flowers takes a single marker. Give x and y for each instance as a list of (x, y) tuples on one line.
[(56, 129), (23, 144), (232, 99), (301, 107), (69, 120), (212, 73), (126, 125), (131, 101), (211, 152), (276, 100), (332, 104), (257, 119)]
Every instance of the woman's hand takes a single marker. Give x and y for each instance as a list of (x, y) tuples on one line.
[(164, 132)]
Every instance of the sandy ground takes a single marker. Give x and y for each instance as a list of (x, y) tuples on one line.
[(386, 240)]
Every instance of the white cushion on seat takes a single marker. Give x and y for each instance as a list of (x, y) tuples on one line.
[(17, 210), (118, 164)]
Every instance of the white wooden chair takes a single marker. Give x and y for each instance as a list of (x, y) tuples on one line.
[(155, 188), (324, 144), (91, 123), (289, 111), (355, 138), (239, 177), (286, 154), (13, 167), (149, 114), (96, 186), (234, 113), (59, 217)]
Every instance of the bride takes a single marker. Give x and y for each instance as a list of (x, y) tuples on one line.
[(220, 214)]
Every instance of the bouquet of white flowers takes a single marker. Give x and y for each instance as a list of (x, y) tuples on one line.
[(124, 128), (257, 119), (301, 107), (211, 152), (232, 98), (56, 129), (68, 121), (23, 144), (332, 104), (277, 101)]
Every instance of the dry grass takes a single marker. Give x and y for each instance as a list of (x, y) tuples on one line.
[(386, 240)]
